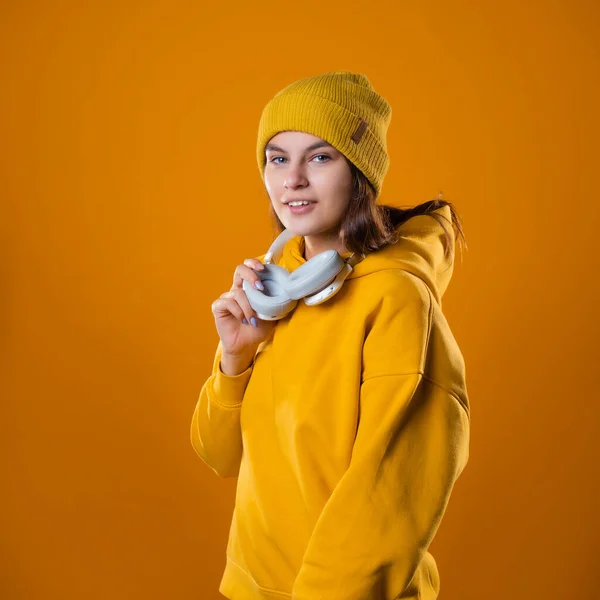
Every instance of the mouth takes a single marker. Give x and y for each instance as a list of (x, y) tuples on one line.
[(301, 208), (309, 201)]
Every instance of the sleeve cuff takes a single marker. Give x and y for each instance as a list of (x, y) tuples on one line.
[(229, 389)]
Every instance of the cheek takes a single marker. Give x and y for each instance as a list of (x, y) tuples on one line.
[(269, 188), (272, 185)]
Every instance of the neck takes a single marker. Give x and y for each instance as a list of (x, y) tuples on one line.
[(314, 244)]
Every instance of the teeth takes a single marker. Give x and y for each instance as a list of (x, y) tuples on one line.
[(298, 203)]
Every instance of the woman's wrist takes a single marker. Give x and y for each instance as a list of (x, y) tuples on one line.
[(234, 364)]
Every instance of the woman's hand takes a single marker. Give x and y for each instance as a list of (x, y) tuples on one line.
[(240, 340)]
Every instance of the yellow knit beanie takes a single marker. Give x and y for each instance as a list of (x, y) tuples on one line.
[(340, 107)]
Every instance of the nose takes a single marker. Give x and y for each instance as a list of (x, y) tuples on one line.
[(295, 177)]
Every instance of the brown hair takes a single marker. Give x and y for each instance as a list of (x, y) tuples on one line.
[(368, 226)]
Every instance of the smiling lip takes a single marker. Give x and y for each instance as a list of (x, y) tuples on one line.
[(298, 210)]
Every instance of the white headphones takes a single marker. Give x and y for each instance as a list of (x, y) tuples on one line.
[(317, 280)]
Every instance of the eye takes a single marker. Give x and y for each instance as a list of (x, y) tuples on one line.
[(275, 158)]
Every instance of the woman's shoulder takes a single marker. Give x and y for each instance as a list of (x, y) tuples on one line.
[(397, 287)]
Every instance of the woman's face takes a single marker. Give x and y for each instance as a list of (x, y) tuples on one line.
[(301, 166)]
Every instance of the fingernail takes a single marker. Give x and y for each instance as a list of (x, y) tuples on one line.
[(253, 321), (259, 285), (244, 321)]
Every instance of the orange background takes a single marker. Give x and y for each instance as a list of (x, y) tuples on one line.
[(130, 192)]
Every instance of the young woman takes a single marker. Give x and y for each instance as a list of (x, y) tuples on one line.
[(346, 422)]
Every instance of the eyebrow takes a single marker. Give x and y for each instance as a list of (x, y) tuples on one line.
[(314, 146)]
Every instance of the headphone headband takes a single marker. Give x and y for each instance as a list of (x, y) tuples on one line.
[(276, 249)]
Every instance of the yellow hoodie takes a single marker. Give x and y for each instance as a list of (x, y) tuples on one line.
[(347, 433)]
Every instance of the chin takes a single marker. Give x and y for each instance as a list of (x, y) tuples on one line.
[(303, 229)]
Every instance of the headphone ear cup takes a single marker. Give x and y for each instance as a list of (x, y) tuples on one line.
[(331, 289), (272, 303), (314, 274)]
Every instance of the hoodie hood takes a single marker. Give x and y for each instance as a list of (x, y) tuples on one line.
[(419, 250)]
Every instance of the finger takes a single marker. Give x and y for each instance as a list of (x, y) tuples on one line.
[(254, 263), (244, 272), (247, 272), (242, 300), (239, 296), (224, 306)]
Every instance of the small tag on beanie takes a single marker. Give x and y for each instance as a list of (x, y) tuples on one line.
[(360, 130)]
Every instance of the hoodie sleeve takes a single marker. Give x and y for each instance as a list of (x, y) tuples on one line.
[(215, 431), (411, 445)]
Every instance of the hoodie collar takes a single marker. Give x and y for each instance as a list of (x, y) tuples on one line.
[(419, 250)]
